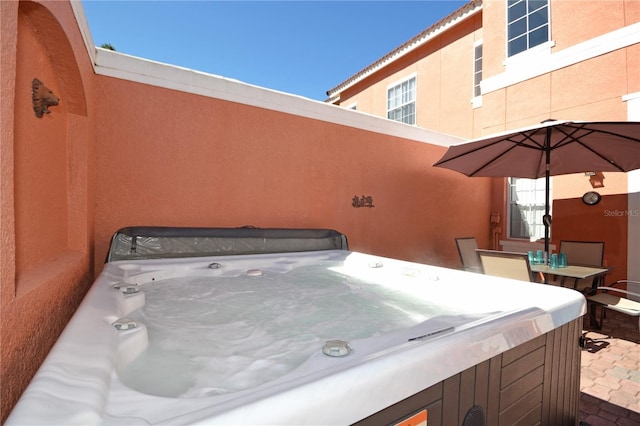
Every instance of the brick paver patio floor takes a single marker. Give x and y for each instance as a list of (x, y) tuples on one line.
[(610, 373)]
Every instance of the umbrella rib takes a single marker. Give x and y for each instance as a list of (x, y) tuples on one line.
[(570, 138), (455, 157), (605, 132), (493, 159), (515, 144), (528, 137)]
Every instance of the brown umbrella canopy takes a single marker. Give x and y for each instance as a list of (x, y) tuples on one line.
[(549, 149), (573, 147)]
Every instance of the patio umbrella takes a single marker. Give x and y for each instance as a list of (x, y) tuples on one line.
[(549, 149)]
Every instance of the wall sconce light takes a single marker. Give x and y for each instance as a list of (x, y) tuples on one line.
[(596, 179)]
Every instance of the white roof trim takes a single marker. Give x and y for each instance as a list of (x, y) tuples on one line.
[(81, 19), (119, 65)]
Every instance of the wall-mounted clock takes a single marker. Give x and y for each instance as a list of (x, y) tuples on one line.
[(591, 198)]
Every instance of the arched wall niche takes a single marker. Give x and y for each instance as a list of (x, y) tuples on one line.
[(45, 183), (50, 34)]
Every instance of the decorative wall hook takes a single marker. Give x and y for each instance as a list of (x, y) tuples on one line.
[(42, 98), (364, 201)]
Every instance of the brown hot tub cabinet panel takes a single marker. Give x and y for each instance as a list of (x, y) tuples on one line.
[(535, 383)]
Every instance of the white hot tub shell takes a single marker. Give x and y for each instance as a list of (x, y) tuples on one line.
[(238, 338)]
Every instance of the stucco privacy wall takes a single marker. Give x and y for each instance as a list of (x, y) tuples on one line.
[(166, 157), (138, 143), (46, 186)]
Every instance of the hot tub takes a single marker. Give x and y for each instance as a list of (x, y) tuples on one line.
[(264, 326)]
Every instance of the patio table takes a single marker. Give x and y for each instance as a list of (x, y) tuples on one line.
[(576, 272)]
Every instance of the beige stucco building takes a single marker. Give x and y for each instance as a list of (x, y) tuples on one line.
[(494, 66)]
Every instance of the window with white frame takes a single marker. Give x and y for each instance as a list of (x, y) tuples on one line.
[(526, 198), (527, 24), (477, 68), (401, 101)]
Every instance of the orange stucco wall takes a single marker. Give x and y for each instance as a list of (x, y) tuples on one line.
[(116, 153), (574, 218), (606, 221), (46, 187), (186, 160)]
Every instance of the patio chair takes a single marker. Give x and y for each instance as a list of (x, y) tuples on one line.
[(506, 264), (584, 253), (467, 250), (606, 300)]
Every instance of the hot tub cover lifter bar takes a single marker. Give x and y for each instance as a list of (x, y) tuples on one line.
[(153, 242)]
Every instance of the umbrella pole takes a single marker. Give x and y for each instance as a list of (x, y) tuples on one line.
[(547, 218)]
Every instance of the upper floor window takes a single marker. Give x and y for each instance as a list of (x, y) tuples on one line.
[(401, 101), (477, 69), (526, 208), (527, 24)]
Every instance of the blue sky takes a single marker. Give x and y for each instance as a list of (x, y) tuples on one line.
[(299, 47)]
